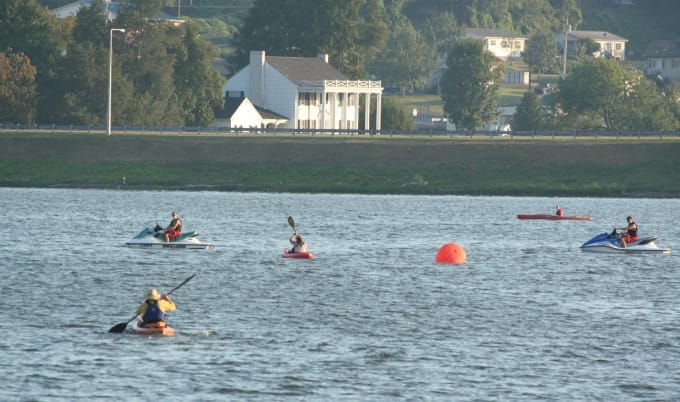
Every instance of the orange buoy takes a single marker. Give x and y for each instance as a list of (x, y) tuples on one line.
[(451, 253)]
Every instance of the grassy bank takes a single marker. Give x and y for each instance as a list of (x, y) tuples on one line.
[(344, 164)]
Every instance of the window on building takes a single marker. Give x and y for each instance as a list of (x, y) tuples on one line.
[(493, 42)]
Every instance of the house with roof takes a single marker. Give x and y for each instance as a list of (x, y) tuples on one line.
[(307, 91), (611, 46), (664, 64), (502, 44)]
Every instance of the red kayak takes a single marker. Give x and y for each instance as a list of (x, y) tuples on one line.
[(555, 217), (138, 329), (287, 254)]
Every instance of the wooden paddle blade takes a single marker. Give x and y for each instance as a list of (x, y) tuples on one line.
[(118, 328)]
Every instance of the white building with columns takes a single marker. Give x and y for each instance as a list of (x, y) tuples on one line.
[(311, 93)]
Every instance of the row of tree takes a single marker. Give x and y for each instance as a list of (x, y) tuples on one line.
[(57, 71)]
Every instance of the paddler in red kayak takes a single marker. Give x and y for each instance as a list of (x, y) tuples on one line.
[(299, 245), (558, 210), (154, 308)]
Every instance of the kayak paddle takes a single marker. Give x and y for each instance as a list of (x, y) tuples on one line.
[(120, 327), (291, 222)]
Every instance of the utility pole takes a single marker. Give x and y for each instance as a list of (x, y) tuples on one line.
[(567, 29)]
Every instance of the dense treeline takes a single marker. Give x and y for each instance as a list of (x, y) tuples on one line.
[(161, 73), (56, 71)]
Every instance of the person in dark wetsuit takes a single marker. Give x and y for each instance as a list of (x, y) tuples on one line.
[(154, 308), (631, 232), (174, 229)]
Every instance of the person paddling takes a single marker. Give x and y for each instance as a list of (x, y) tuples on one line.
[(154, 308), (558, 210), (299, 245)]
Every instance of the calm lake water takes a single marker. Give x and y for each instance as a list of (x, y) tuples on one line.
[(529, 317)]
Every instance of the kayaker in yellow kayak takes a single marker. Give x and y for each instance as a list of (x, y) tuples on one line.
[(154, 308)]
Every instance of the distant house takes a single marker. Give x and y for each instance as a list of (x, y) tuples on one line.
[(665, 64), (611, 46), (307, 91), (502, 44)]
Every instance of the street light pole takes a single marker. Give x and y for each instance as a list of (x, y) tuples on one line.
[(108, 112), (567, 30)]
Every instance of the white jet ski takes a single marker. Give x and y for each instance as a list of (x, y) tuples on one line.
[(609, 243), (153, 238)]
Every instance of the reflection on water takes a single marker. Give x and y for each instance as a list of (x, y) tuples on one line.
[(372, 317)]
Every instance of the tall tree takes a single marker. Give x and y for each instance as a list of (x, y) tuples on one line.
[(29, 28), (79, 92), (541, 53), (622, 99), (17, 88), (470, 85), (530, 114), (198, 83), (441, 30), (567, 11), (350, 31), (407, 58)]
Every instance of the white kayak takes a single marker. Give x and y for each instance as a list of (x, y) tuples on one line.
[(149, 238)]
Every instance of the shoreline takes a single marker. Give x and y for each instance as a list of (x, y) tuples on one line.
[(345, 164)]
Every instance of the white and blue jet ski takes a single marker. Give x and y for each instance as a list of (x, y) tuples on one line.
[(609, 243), (154, 238)]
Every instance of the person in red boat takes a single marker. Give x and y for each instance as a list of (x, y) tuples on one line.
[(154, 308), (299, 245), (558, 211)]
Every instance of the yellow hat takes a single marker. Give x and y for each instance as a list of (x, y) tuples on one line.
[(153, 294)]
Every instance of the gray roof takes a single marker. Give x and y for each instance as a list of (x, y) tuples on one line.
[(298, 69), (665, 54), (596, 35), (490, 32)]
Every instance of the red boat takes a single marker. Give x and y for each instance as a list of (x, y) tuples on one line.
[(138, 329), (555, 217), (287, 254)]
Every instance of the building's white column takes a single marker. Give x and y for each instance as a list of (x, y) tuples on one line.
[(377, 112), (367, 112), (345, 95), (356, 110), (334, 107), (322, 122)]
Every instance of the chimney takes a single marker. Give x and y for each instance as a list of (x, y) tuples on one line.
[(323, 56), (257, 62)]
